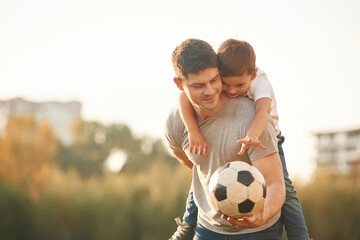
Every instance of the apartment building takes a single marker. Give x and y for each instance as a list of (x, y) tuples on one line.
[(59, 114), (339, 151)]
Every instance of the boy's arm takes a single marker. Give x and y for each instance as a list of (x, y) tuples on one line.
[(271, 169), (262, 112), (187, 115)]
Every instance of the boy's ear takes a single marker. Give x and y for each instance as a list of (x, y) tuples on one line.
[(254, 74), (178, 83)]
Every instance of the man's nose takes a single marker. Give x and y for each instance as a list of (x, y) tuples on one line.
[(209, 90)]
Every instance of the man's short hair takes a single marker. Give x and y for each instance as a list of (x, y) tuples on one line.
[(193, 56), (236, 57)]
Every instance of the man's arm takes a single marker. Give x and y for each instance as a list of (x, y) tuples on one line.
[(182, 158), (271, 169)]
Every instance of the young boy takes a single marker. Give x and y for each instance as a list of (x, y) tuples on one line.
[(240, 76)]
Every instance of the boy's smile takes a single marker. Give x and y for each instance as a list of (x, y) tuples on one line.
[(235, 86)]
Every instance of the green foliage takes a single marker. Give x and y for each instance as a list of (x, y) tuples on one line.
[(16, 212), (129, 206), (82, 201), (94, 141), (331, 206)]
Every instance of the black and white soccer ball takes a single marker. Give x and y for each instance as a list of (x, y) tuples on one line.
[(237, 189)]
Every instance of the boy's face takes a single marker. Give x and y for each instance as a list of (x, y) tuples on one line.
[(235, 86), (203, 89)]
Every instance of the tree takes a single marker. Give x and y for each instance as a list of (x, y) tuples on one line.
[(27, 153), (93, 142)]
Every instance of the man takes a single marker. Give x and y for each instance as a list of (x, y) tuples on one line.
[(222, 121)]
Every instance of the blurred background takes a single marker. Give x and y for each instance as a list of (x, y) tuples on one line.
[(86, 87)]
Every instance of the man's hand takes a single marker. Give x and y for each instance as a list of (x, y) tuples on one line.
[(248, 141), (253, 221)]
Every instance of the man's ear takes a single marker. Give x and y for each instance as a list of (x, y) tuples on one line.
[(178, 83)]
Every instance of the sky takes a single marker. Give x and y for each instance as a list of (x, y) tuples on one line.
[(115, 58)]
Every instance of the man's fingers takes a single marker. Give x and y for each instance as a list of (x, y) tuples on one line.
[(235, 222)]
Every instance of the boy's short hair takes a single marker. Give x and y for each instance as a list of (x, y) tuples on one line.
[(236, 57), (193, 56)]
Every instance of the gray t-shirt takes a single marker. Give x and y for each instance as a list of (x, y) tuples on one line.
[(221, 132)]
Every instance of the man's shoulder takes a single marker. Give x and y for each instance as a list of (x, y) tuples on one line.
[(173, 120), (243, 103), (174, 129), (174, 114)]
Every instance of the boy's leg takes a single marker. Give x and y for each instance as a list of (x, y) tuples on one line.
[(186, 229), (291, 211), (191, 210)]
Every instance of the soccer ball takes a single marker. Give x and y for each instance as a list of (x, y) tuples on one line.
[(237, 189)]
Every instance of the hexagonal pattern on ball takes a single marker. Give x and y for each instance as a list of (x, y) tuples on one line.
[(220, 192), (246, 206), (237, 189), (227, 176), (245, 177), (256, 191), (257, 174), (237, 192), (228, 207)]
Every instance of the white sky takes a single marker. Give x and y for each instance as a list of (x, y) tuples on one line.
[(115, 57)]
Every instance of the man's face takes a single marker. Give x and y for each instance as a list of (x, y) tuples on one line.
[(203, 89)]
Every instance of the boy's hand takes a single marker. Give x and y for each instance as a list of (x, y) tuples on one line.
[(197, 144), (248, 141)]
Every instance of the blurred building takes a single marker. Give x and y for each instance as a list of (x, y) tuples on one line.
[(59, 114), (339, 151)]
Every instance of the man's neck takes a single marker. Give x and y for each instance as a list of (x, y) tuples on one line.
[(202, 114)]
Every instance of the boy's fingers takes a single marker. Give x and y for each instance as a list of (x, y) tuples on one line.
[(195, 150), (243, 141), (248, 143), (199, 150), (262, 146), (242, 150), (259, 144)]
